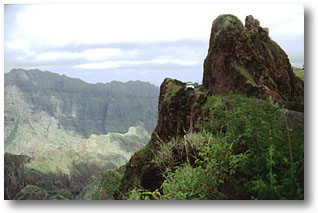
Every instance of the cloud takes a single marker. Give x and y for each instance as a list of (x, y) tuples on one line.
[(102, 42), (117, 55), (89, 54), (120, 64)]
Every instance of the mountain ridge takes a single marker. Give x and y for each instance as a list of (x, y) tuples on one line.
[(70, 130), (237, 136), (82, 107), (231, 138)]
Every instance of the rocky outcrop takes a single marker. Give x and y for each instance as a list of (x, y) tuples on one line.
[(241, 59), (178, 112), (244, 59)]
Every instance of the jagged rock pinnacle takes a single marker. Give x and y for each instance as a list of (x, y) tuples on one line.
[(243, 59)]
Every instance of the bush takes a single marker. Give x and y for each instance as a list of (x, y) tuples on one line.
[(274, 169), (108, 184), (247, 149)]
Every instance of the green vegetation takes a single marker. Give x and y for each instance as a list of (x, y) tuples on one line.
[(108, 184), (300, 73), (109, 107), (62, 123), (73, 168), (31, 192), (229, 22), (12, 135), (246, 74), (172, 89), (248, 149)]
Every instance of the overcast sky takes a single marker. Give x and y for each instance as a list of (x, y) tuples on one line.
[(148, 42)]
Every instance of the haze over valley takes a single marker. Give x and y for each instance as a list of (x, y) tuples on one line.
[(74, 129)]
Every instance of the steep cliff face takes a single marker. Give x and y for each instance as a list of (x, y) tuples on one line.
[(61, 123), (178, 112), (244, 59), (79, 106)]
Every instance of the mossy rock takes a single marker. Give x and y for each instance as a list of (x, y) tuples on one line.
[(172, 88), (245, 60)]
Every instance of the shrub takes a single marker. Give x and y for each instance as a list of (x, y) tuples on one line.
[(246, 149), (274, 169), (108, 184)]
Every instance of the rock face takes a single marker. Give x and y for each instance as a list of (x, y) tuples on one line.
[(61, 123), (169, 109), (244, 59), (79, 106), (241, 59), (177, 115)]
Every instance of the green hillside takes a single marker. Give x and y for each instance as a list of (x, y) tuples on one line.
[(73, 167), (79, 106), (244, 148), (70, 130), (299, 72)]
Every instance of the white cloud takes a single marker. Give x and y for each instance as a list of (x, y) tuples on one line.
[(41, 34), (17, 45), (123, 63), (100, 65), (101, 53), (22, 47), (90, 54), (52, 56), (110, 64), (175, 61), (63, 24)]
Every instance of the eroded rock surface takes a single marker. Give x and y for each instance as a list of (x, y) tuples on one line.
[(244, 59)]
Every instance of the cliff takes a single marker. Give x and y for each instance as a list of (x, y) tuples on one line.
[(55, 130), (79, 106), (227, 140), (244, 59)]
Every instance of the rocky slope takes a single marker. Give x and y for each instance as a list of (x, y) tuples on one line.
[(243, 59), (233, 139), (218, 143), (69, 131), (76, 105), (176, 116), (70, 168)]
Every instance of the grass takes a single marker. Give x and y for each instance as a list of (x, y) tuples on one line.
[(246, 74), (171, 91), (248, 149), (299, 73), (108, 184), (12, 135)]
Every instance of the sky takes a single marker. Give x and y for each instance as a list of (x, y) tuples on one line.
[(147, 42)]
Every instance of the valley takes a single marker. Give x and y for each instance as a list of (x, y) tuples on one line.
[(70, 137), (238, 136)]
